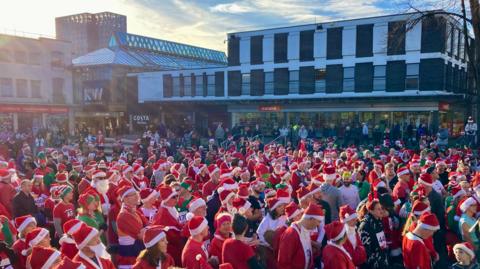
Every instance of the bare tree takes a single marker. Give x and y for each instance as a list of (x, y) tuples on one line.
[(467, 14)]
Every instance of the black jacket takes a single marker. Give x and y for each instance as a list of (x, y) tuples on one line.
[(24, 204)]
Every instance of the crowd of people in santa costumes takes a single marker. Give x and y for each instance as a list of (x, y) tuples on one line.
[(249, 207)]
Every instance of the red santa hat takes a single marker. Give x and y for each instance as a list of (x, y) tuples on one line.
[(22, 222), (195, 204), (292, 211), (314, 211), (125, 191), (426, 179), (457, 191), (67, 263), (335, 230), (302, 193), (257, 183), (72, 226), (153, 235), (465, 204), (76, 164), (4, 174), (221, 218), (419, 208), (167, 193), (228, 184), (274, 202), (428, 221), (243, 191), (44, 258), (84, 235), (293, 167), (269, 193), (137, 168), (402, 171), (329, 173), (226, 195), (197, 224), (212, 169), (35, 236), (99, 174), (313, 188), (347, 214), (148, 194), (476, 182), (126, 169), (226, 266), (61, 167), (89, 169), (261, 170), (61, 177), (240, 205), (466, 247), (283, 195), (102, 165)]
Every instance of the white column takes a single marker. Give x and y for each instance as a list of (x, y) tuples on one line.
[(268, 49), (320, 44), (244, 50), (349, 40), (294, 46), (413, 38), (380, 39)]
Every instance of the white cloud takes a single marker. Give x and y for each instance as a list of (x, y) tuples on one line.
[(232, 8)]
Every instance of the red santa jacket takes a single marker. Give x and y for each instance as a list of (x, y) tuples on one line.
[(141, 182), (174, 238), (336, 257), (415, 253), (90, 264), (191, 251), (142, 264), (18, 247), (358, 253), (68, 247), (215, 247), (292, 253)]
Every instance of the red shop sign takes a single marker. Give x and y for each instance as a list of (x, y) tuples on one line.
[(33, 109), (269, 108), (442, 106)]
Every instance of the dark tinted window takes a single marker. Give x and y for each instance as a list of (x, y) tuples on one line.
[(306, 45), (234, 83), (307, 80), (281, 81), (396, 72), (219, 84), (334, 78), (281, 48), (167, 86), (193, 85), (364, 77), (449, 77), (256, 49), (205, 84), (396, 38), (433, 34), (234, 51), (182, 86), (334, 43), (364, 44), (456, 79), (257, 82), (432, 74)]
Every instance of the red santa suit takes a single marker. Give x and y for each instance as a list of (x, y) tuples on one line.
[(299, 179), (415, 253), (18, 247), (354, 246), (168, 217), (68, 247), (191, 251), (129, 224), (90, 264), (64, 212), (215, 247), (295, 249), (143, 264), (141, 182), (336, 257)]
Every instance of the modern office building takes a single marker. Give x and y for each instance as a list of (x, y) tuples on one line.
[(382, 70), (89, 32), (105, 98), (35, 84)]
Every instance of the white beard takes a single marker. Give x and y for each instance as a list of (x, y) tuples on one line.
[(102, 186)]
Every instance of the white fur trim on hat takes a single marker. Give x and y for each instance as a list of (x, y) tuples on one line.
[(199, 202), (320, 218), (295, 214), (55, 255), (428, 227), (100, 174), (245, 207), (467, 203), (40, 236), (87, 239), (464, 248), (423, 182), (419, 213), (25, 223), (128, 169), (329, 176), (460, 192), (155, 240), (230, 186), (200, 228), (229, 196), (278, 203), (129, 191), (404, 172), (349, 217)]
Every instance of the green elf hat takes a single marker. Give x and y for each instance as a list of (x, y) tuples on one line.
[(64, 190), (187, 184)]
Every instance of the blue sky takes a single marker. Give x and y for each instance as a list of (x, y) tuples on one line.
[(199, 22)]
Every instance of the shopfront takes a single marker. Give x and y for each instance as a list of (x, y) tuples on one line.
[(110, 123), (328, 119), (33, 118)]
